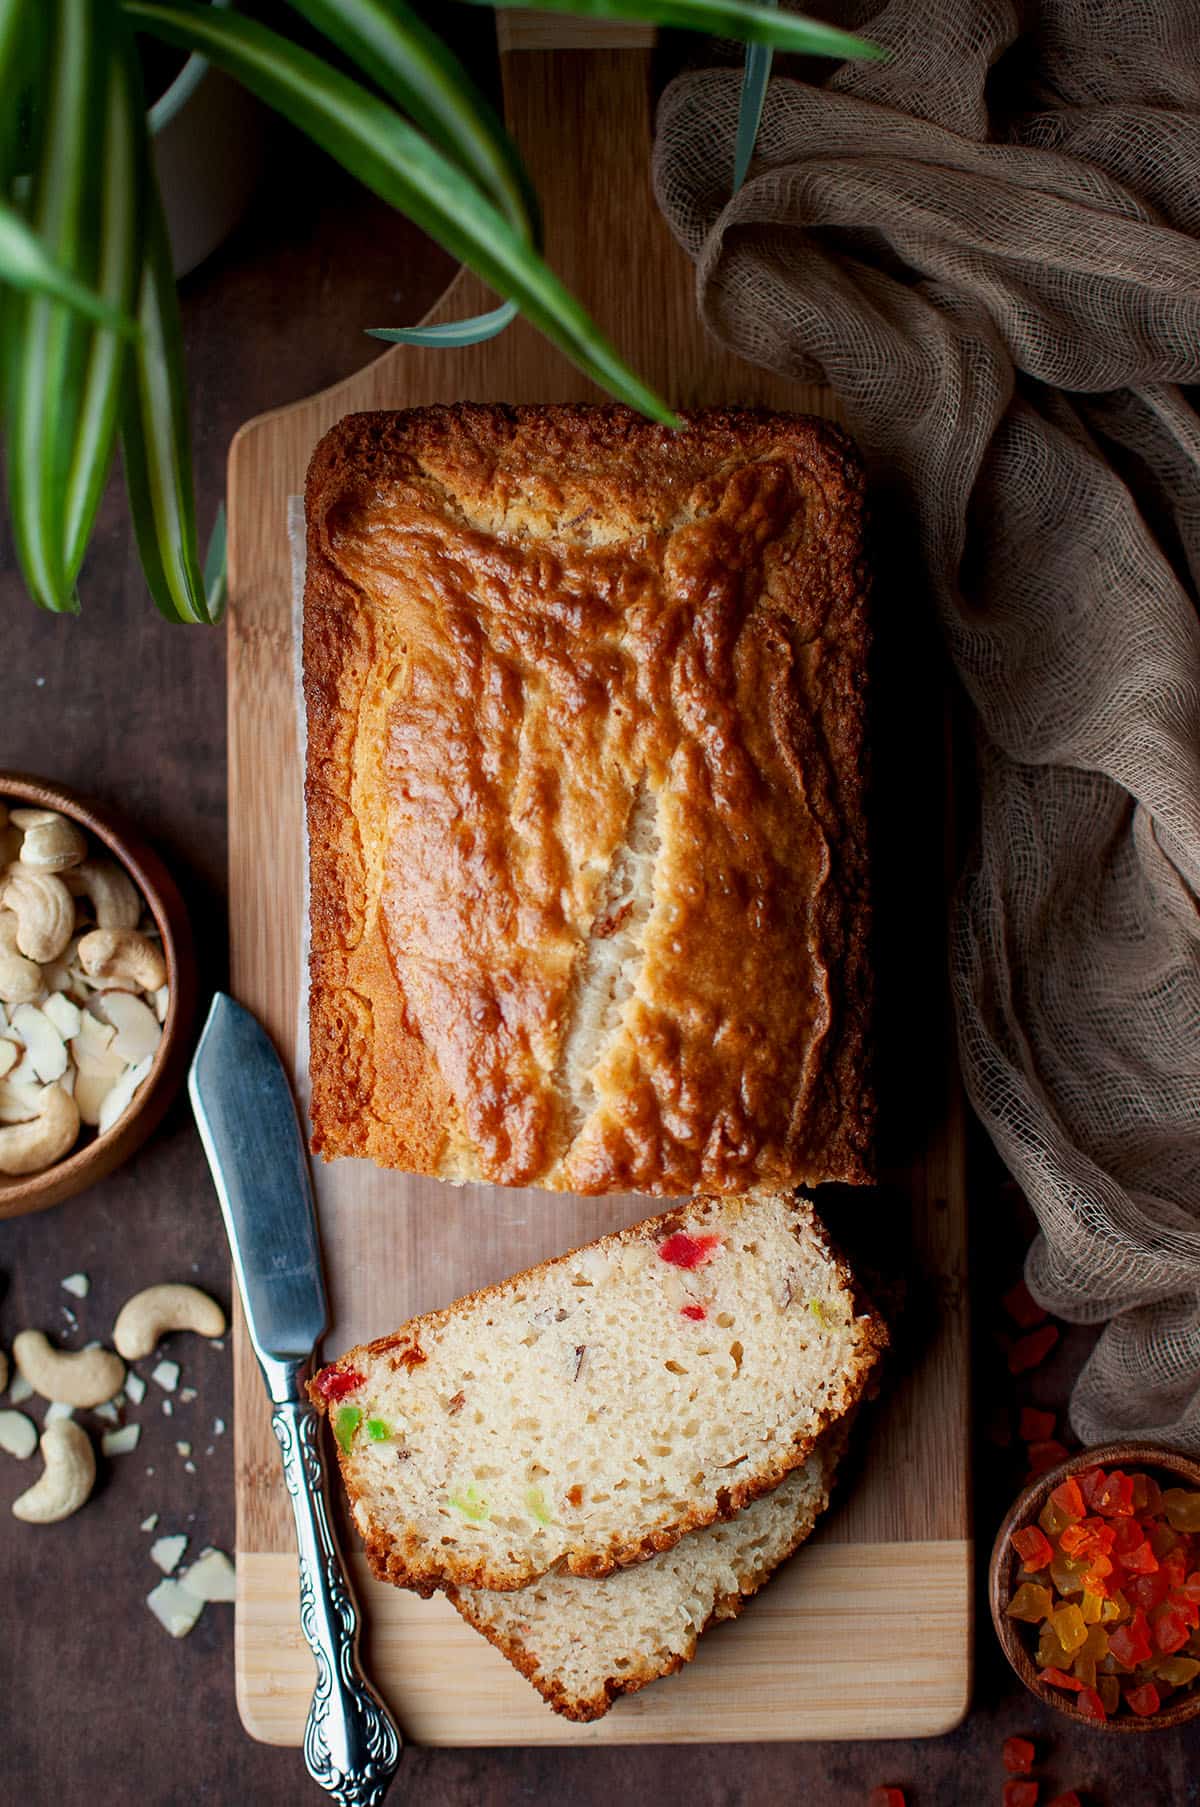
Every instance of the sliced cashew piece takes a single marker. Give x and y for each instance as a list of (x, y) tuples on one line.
[(111, 892), (119, 1096), (30, 1147), (18, 1435), (122, 956), (45, 1047), (19, 1103), (43, 909), (67, 1479), (138, 1030), (9, 1055), (20, 979), (51, 843), (146, 1318), (78, 1377)]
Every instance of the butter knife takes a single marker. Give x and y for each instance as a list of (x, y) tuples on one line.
[(251, 1134)]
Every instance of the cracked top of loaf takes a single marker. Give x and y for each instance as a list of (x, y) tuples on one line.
[(585, 798)]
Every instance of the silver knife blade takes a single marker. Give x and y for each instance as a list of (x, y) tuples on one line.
[(248, 1124)]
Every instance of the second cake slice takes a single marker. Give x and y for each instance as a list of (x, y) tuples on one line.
[(589, 1413)]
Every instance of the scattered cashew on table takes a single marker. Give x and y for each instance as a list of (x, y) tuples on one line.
[(77, 1377), (66, 1480), (145, 1319)]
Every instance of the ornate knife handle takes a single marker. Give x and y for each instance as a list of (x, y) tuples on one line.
[(351, 1744)]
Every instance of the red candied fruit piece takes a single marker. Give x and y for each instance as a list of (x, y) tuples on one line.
[(1141, 1560), (1033, 1547), (1036, 1427), (335, 1383), (1070, 1799), (1144, 1700), (1146, 1591), (1127, 1535), (1022, 1307), (1171, 1629), (1029, 1350), (1115, 1499), (1018, 1755), (886, 1797), (1091, 1705), (1068, 1499), (1058, 1678), (1045, 1456), (697, 1313), (1130, 1643), (1091, 1480), (682, 1250), (1020, 1794)]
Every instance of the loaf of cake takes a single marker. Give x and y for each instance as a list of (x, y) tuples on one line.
[(591, 1412), (583, 1643), (588, 863)]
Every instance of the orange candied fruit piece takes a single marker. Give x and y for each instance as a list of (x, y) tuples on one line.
[(1020, 1794), (1018, 1756), (1033, 1547), (1069, 1500), (1115, 1498), (1058, 1678), (1029, 1351)]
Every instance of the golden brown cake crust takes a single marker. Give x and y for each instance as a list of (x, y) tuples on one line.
[(532, 637)]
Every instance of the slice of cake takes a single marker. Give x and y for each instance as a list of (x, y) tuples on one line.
[(582, 1642), (588, 1413), (588, 853)]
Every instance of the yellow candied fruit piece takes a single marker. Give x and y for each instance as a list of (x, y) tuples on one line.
[(1050, 1653), (1115, 1610), (1069, 1627), (1182, 1508), (1030, 1603), (1067, 1575), (1092, 1608), (1053, 1519), (1178, 1671)]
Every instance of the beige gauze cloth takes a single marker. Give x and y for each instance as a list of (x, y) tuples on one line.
[(988, 247)]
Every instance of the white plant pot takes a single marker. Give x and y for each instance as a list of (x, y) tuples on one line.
[(208, 152)]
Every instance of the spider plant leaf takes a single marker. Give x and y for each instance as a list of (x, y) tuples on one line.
[(47, 339), (755, 77), (415, 68), (451, 332), (117, 222), (752, 21), (216, 571), (155, 441), (370, 139), (25, 264)]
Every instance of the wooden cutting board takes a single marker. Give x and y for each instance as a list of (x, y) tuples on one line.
[(867, 1632)]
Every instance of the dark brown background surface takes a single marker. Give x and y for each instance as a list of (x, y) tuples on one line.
[(99, 1705)]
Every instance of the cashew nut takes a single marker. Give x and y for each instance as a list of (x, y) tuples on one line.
[(30, 1147), (67, 1479), (20, 979), (44, 911), (78, 1377), (149, 1315), (51, 843), (117, 954), (114, 900)]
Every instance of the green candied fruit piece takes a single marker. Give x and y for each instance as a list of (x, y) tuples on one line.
[(346, 1421), (818, 1311), (378, 1430), (535, 1500), (470, 1503)]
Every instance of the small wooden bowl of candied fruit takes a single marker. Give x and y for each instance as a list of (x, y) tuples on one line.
[(1095, 1587)]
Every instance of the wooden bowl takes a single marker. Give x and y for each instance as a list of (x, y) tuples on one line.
[(1003, 1579), (94, 1159)]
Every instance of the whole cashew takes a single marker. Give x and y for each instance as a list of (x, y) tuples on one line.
[(66, 1480), (78, 1377), (43, 909), (118, 954), (143, 1320), (20, 979), (51, 842), (112, 894), (31, 1147)]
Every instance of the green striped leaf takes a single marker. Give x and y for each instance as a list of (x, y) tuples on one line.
[(757, 74), (372, 141), (474, 331), (751, 23), (25, 265)]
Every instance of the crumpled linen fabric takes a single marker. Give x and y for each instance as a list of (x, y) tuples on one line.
[(988, 246)]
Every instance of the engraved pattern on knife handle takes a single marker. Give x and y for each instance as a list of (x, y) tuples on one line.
[(351, 1744)]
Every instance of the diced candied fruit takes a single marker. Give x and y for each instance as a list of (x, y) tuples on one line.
[(1147, 1494), (682, 1250), (1069, 1627), (1045, 1456), (1067, 1574), (886, 1797), (1162, 1539), (1092, 1607), (1097, 1569), (1115, 1609), (1020, 1794), (1109, 1690), (1069, 1499), (1030, 1603), (1170, 1629), (1147, 1591), (1144, 1700), (1130, 1644), (1178, 1671), (1018, 1755), (1182, 1508), (1029, 1350), (1058, 1678), (1051, 1519), (1033, 1547), (1115, 1499), (1091, 1480), (346, 1421), (1140, 1561), (1022, 1307), (1091, 1705), (335, 1383), (1035, 1426), (1190, 1588), (697, 1313), (1050, 1653), (1070, 1799)]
